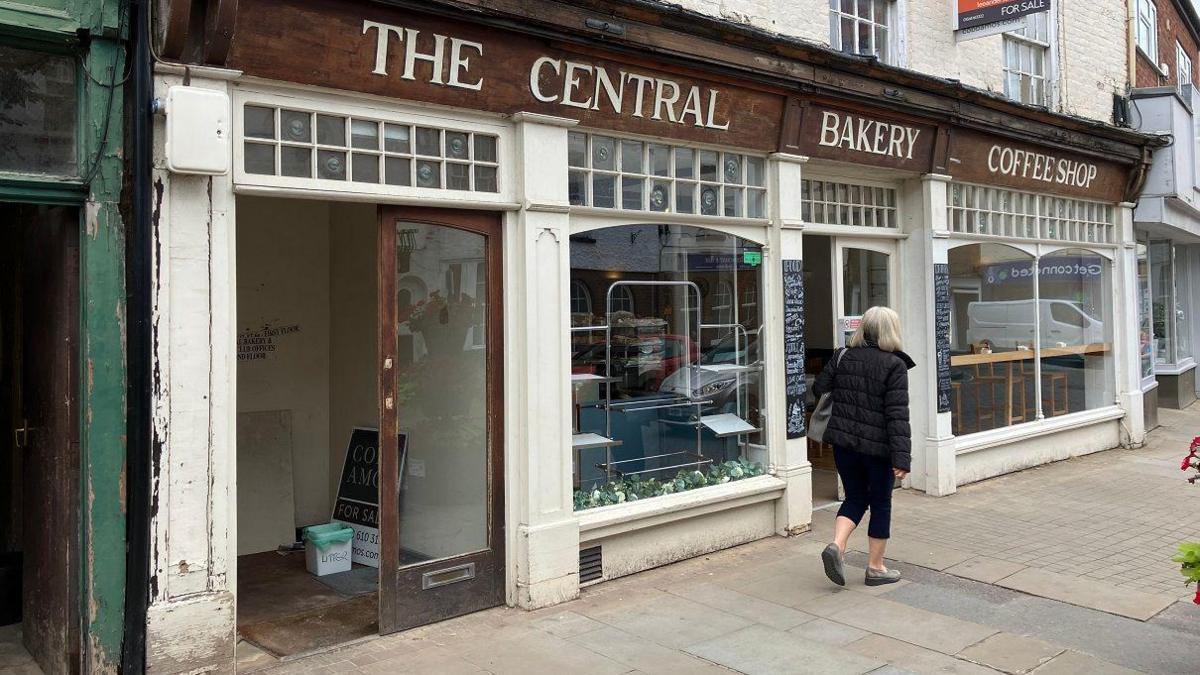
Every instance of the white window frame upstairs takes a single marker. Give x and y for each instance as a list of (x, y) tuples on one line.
[(1039, 48), (892, 24), (1183, 72), (1146, 30)]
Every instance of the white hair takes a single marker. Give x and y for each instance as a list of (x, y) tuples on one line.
[(880, 327)]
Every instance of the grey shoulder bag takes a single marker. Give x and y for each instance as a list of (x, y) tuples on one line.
[(824, 410)]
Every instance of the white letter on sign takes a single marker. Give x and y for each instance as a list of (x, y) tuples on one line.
[(534, 73), (459, 64), (829, 128), (381, 43)]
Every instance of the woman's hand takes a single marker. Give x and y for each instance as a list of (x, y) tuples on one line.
[(900, 473)]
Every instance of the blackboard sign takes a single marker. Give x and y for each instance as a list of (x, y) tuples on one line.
[(357, 502), (941, 333), (793, 346)]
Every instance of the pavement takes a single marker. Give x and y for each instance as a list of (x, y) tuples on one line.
[(1062, 569)]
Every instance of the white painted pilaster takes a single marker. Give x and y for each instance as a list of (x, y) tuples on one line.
[(789, 457), (543, 533), (1126, 339), (934, 463)]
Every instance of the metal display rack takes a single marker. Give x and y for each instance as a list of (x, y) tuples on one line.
[(721, 425)]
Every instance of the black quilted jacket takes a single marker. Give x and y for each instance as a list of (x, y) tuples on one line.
[(870, 403)]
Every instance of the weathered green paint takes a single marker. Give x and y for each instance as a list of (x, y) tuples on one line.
[(102, 351), (51, 25)]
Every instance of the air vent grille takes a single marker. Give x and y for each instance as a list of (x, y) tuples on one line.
[(591, 564)]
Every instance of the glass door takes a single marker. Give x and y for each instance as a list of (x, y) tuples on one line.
[(441, 468), (864, 276)]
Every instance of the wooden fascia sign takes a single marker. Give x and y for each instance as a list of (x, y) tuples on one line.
[(412, 56)]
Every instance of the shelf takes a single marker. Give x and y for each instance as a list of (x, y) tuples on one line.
[(686, 458), (727, 424), (581, 378), (587, 441), (730, 368)]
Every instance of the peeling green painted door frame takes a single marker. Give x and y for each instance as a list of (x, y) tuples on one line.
[(102, 368)]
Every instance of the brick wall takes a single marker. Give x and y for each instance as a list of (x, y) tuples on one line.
[(1092, 43), (1171, 28)]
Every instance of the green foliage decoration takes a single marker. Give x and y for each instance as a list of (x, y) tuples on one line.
[(634, 488)]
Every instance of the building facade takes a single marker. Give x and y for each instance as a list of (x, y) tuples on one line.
[(62, 330), (1166, 36), (532, 296)]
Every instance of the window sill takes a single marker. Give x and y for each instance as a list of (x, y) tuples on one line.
[(994, 437), (1154, 65), (1174, 368), (606, 521)]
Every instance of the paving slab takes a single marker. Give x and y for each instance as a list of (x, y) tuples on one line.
[(646, 656), (670, 620), (1074, 663), (566, 624), (918, 552), (538, 654), (917, 626), (916, 659), (1088, 593), (740, 604), (828, 632), (985, 569), (1014, 654), (434, 660), (759, 650)]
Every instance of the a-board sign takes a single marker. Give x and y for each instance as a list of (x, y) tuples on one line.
[(793, 346), (357, 502), (941, 333)]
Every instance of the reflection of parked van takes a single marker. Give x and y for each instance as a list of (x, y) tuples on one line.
[(1005, 323)]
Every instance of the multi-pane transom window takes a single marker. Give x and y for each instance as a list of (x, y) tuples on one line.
[(861, 26), (305, 144), (1026, 58), (831, 203), (975, 209), (618, 173), (1147, 29)]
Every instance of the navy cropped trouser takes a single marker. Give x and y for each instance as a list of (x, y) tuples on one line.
[(867, 481)]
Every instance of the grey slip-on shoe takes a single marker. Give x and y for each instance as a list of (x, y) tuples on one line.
[(881, 577), (832, 558)]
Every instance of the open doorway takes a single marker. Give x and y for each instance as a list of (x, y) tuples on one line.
[(820, 343), (39, 438), (307, 388)]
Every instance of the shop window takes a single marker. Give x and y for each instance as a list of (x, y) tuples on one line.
[(1145, 314), (615, 173), (834, 203), (1033, 337), (38, 113), (1026, 60), (1147, 29), (1172, 334), (307, 145), (666, 393), (975, 209), (862, 27)]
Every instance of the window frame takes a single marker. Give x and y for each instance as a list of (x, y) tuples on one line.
[(1183, 85), (1037, 48), (1147, 18), (585, 294), (892, 25)]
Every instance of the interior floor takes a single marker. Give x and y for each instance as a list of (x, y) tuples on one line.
[(825, 488), (286, 611), (14, 658)]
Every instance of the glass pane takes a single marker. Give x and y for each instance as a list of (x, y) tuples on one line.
[(457, 146), (397, 170), (258, 122), (331, 130), (1076, 332), (604, 191), (295, 126), (1163, 283), (733, 202), (396, 138), (685, 166), (756, 204), (331, 165), (1145, 313), (429, 141), (577, 188), (631, 157), (485, 179), (295, 161), (631, 193), (685, 197), (710, 199), (485, 148), (604, 153), (429, 174), (660, 160), (992, 334), (756, 173), (708, 165), (864, 280), (660, 196), (38, 112), (657, 355), (577, 149), (458, 176), (443, 394), (732, 168), (366, 168), (260, 159), (364, 134)]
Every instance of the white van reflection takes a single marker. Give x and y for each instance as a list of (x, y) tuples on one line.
[(1008, 323)]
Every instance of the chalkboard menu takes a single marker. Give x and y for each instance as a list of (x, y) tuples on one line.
[(793, 345), (357, 502), (941, 333)]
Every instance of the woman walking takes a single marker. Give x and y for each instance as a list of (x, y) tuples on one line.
[(870, 434)]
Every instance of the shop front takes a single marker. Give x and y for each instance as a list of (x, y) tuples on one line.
[(529, 308)]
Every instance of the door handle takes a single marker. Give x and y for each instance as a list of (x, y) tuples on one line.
[(21, 435)]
